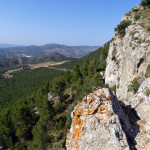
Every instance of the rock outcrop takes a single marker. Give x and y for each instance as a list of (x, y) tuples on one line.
[(100, 123), (127, 60), (104, 121)]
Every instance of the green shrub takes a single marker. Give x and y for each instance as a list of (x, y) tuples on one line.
[(63, 143), (136, 17), (145, 2), (147, 26), (59, 137), (60, 107), (113, 58), (145, 13), (60, 123), (113, 88), (68, 116), (147, 92), (112, 39), (128, 14), (122, 26), (147, 74), (57, 146), (139, 41), (134, 86), (135, 10), (21, 146)]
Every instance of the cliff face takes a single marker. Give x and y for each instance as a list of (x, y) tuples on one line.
[(118, 122), (128, 59)]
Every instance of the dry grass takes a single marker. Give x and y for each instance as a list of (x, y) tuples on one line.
[(145, 13), (8, 74), (45, 64), (147, 26), (141, 123), (145, 19)]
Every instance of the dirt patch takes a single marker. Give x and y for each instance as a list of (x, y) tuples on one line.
[(8, 74), (45, 64)]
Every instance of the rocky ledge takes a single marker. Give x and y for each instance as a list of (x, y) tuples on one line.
[(102, 122)]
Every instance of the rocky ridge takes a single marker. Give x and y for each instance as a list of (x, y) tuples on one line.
[(102, 122), (120, 121), (131, 57), (128, 60)]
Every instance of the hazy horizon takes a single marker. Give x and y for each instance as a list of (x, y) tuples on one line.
[(45, 44)]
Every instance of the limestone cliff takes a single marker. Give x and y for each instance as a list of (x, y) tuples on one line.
[(121, 121), (128, 59)]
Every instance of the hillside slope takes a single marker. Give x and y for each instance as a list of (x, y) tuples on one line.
[(36, 104), (93, 55)]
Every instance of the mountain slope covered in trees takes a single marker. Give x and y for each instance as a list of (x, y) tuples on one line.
[(39, 119), (99, 54), (30, 118)]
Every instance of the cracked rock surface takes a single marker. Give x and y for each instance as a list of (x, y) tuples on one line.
[(100, 123)]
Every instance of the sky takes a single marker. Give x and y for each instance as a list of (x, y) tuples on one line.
[(69, 22)]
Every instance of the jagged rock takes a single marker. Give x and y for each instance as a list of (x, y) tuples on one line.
[(99, 123), (141, 103), (132, 56)]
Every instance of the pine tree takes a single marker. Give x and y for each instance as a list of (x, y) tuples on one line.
[(58, 87), (7, 132), (84, 68), (22, 119), (67, 77), (92, 68), (40, 136)]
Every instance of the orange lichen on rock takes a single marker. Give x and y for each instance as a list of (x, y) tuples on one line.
[(108, 98), (90, 100), (78, 110), (94, 104), (102, 108), (77, 127), (77, 130)]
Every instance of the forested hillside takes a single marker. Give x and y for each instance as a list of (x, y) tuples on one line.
[(98, 54), (36, 104), (32, 118), (24, 83)]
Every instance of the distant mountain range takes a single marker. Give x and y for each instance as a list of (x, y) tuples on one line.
[(14, 62), (36, 51)]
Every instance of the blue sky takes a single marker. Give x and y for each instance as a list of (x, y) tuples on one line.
[(69, 22)]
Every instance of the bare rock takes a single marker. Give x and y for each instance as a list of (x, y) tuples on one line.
[(132, 56), (99, 123)]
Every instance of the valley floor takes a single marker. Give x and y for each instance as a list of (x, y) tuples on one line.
[(9, 73)]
